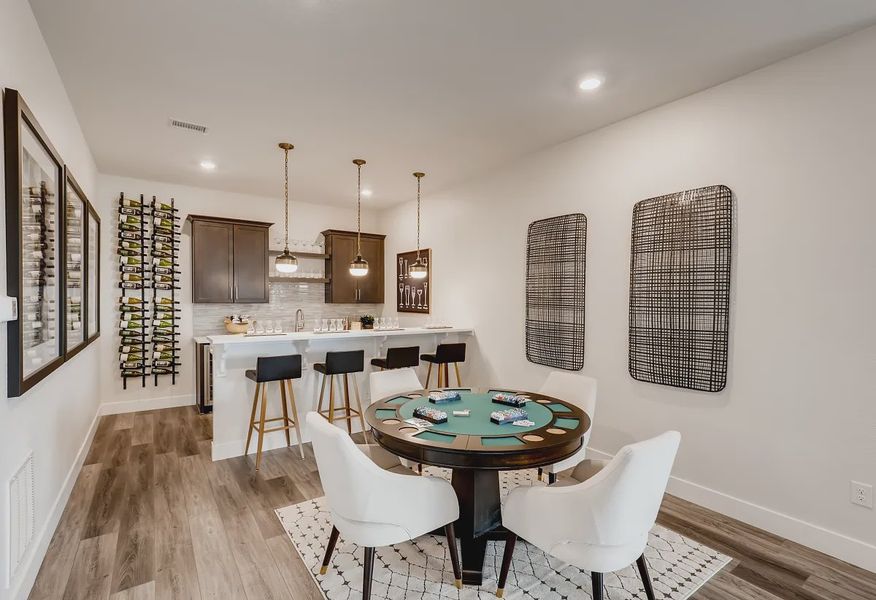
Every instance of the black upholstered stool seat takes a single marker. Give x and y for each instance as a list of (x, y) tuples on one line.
[(398, 358), (341, 364), (444, 355), (282, 369)]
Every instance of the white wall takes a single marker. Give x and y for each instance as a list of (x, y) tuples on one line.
[(796, 142), (306, 222), (54, 418)]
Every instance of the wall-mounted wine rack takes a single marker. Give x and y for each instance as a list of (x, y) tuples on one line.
[(148, 251), (165, 284)]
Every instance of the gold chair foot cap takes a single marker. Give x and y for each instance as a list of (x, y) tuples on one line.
[(500, 592), (323, 571), (458, 583)]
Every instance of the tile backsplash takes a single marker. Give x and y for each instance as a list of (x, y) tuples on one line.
[(286, 298)]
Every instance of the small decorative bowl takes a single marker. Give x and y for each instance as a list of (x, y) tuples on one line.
[(231, 327)]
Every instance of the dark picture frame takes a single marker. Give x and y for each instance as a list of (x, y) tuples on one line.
[(92, 301), (69, 282), (37, 248)]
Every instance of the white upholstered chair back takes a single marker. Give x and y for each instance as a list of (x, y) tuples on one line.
[(393, 381), (580, 390)]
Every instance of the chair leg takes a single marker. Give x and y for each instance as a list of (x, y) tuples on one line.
[(454, 554), (368, 574), (285, 412), (540, 473), (510, 541), (597, 580), (347, 412), (255, 404), (552, 478), (428, 375), (646, 578), (441, 375), (321, 394), (359, 408), (333, 539), (331, 410), (458, 378), (295, 418), (262, 426)]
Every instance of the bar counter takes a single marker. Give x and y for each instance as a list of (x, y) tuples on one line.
[(234, 354)]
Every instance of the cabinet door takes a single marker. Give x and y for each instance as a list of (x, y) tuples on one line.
[(342, 288), (212, 262), (371, 286), (250, 263)]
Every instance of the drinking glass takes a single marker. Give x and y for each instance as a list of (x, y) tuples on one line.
[(269, 326), (278, 327), (324, 325), (259, 328), (333, 324)]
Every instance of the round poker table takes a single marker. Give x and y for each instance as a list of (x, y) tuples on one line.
[(476, 449)]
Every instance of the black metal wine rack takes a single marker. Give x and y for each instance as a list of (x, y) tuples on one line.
[(133, 281), (165, 285)]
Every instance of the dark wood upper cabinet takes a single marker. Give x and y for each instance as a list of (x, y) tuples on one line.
[(343, 287), (251, 263), (229, 260)]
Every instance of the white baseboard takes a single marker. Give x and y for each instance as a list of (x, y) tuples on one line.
[(127, 406), (29, 574), (838, 545)]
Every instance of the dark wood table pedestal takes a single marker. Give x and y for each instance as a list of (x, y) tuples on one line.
[(480, 512)]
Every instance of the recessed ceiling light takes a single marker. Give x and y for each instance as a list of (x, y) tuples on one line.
[(208, 165), (588, 84), (367, 193)]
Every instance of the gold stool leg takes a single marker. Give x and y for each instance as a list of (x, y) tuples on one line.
[(285, 412), (255, 403), (458, 380), (321, 394), (295, 417), (428, 375), (331, 413), (347, 411), (262, 426), (359, 409)]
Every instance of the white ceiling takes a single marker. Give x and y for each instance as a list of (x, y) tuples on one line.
[(450, 87)]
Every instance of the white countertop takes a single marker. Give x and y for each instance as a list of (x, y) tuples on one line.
[(310, 335)]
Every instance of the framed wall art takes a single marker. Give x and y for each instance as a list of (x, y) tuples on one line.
[(556, 257), (413, 295), (679, 318)]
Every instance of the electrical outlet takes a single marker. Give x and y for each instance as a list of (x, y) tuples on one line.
[(861, 494)]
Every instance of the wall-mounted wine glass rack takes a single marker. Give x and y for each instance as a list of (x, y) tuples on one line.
[(149, 279)]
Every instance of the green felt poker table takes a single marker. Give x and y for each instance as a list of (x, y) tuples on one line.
[(476, 449)]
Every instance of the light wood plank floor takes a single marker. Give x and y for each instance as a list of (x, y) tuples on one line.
[(151, 516)]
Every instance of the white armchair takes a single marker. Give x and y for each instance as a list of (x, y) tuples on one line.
[(373, 507), (580, 390), (395, 381), (601, 524)]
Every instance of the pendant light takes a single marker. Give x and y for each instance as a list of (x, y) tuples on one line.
[(419, 269), (286, 262), (359, 266)]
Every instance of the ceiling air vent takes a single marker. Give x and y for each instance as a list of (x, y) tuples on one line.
[(193, 127)]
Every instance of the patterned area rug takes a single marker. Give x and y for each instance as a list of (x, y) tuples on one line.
[(420, 570)]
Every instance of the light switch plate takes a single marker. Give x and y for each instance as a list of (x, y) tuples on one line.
[(8, 308)]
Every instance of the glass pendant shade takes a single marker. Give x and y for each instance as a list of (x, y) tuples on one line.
[(419, 270), (286, 262), (359, 266)]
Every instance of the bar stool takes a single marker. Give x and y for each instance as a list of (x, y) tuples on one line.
[(398, 358), (444, 355), (341, 363), (274, 368)]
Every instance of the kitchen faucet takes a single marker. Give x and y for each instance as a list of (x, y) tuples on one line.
[(299, 320)]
